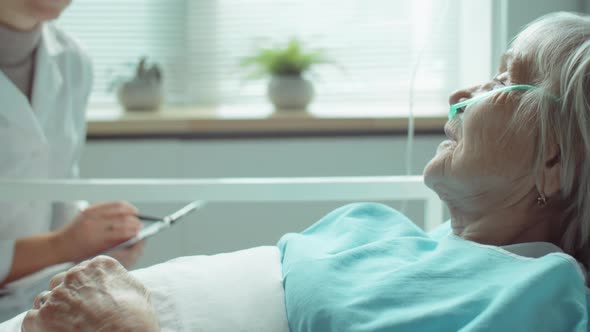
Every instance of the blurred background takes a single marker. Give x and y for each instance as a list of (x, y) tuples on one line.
[(174, 95)]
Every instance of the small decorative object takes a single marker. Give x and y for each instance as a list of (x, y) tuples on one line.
[(143, 91), (286, 66)]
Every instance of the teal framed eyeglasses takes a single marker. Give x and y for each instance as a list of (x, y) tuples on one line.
[(456, 107)]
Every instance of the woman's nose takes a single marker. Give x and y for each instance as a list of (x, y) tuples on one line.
[(459, 95), (466, 93)]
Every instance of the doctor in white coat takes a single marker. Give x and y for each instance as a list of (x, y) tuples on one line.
[(45, 81)]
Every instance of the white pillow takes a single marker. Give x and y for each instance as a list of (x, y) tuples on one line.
[(238, 291)]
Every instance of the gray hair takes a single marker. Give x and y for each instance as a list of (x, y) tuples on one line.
[(556, 48)]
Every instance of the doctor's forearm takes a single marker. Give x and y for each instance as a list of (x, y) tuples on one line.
[(34, 253)]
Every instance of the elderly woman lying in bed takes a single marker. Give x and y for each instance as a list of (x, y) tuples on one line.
[(515, 175)]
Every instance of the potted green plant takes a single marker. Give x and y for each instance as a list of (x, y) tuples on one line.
[(287, 66), (143, 90)]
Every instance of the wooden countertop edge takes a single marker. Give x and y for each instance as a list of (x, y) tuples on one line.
[(157, 125)]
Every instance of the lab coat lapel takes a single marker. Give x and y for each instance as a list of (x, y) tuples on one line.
[(15, 110), (48, 79)]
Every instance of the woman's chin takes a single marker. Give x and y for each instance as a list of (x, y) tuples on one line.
[(45, 10), (445, 146), (435, 169)]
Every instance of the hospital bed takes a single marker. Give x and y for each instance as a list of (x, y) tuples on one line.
[(293, 189), (223, 283)]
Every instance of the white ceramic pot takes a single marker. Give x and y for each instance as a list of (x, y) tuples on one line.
[(290, 92), (140, 95)]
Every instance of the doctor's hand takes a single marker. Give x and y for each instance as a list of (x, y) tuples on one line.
[(96, 229), (96, 295)]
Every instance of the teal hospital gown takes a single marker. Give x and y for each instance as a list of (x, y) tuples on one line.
[(366, 267)]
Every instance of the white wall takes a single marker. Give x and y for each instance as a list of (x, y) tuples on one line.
[(522, 12), (510, 16), (226, 227)]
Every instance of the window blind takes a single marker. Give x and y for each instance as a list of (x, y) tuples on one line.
[(199, 43)]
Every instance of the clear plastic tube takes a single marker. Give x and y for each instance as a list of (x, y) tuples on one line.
[(411, 117)]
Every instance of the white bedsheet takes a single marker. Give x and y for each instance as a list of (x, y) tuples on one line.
[(239, 291)]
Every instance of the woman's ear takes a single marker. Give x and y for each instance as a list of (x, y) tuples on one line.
[(551, 172)]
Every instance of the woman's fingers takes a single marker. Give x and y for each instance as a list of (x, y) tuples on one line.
[(41, 299), (84, 301), (56, 280), (31, 322)]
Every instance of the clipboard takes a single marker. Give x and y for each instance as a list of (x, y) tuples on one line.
[(158, 225)]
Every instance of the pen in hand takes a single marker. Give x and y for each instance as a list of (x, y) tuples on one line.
[(148, 218)]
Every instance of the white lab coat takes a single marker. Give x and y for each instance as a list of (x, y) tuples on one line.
[(41, 139)]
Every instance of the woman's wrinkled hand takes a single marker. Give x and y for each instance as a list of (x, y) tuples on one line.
[(96, 295), (98, 228)]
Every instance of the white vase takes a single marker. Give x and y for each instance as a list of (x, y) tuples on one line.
[(140, 95), (290, 92)]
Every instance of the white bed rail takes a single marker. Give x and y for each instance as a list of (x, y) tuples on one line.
[(230, 190)]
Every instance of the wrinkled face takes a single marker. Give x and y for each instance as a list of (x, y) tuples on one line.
[(486, 163)]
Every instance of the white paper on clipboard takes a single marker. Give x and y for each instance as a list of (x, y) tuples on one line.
[(145, 232), (157, 227)]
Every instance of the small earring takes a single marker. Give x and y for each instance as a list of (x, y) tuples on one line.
[(541, 200)]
